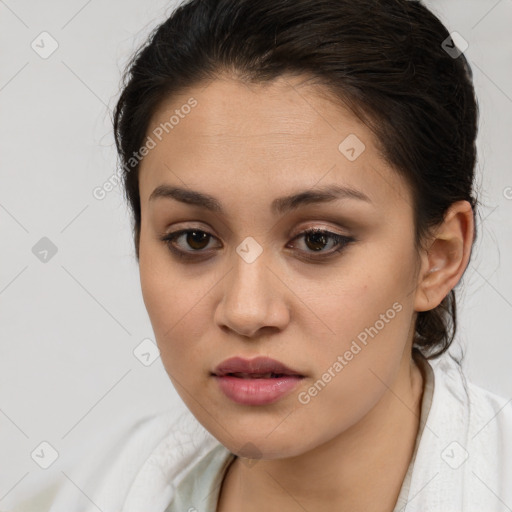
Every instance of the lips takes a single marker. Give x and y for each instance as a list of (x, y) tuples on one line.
[(255, 382), (257, 368)]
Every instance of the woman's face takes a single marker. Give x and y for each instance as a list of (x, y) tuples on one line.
[(251, 283)]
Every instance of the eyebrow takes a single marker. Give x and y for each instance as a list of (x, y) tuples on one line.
[(280, 205)]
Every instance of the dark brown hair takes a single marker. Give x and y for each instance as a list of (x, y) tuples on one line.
[(385, 59)]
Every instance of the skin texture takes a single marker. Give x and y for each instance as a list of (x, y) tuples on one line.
[(350, 446)]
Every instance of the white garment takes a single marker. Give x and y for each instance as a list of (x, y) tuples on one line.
[(463, 461)]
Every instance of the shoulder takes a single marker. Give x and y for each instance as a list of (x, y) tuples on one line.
[(479, 404), (131, 461), (465, 452)]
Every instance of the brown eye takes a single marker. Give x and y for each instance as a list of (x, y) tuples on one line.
[(316, 240), (195, 240)]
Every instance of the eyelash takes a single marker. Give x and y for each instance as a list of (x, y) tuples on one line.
[(341, 241)]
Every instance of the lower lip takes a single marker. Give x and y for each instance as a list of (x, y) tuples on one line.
[(257, 391)]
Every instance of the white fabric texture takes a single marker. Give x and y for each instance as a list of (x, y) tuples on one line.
[(463, 460)]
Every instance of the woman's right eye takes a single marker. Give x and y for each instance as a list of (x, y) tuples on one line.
[(195, 238)]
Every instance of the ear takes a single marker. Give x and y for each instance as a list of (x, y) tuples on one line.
[(447, 257)]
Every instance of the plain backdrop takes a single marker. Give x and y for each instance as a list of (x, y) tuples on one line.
[(72, 317)]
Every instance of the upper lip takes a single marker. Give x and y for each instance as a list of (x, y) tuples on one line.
[(258, 365)]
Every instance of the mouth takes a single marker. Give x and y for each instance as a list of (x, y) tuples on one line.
[(255, 382), (257, 368), (257, 375)]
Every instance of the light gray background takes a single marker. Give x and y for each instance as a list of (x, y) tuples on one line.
[(69, 326)]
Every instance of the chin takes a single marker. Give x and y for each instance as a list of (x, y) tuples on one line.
[(252, 444)]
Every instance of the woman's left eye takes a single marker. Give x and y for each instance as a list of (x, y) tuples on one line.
[(315, 240)]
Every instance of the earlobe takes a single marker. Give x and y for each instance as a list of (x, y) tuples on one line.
[(444, 263)]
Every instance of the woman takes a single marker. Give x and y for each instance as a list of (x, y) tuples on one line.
[(300, 174)]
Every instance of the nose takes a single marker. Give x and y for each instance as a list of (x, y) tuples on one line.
[(254, 299)]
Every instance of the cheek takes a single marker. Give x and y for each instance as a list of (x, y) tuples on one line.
[(162, 288), (369, 320), (177, 308), (355, 366), (356, 305)]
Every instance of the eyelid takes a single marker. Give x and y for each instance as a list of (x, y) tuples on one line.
[(291, 235), (318, 226), (341, 242)]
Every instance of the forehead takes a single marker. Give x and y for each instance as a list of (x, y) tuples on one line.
[(286, 133), (287, 109)]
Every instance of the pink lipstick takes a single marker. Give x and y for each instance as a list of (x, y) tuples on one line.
[(255, 381)]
